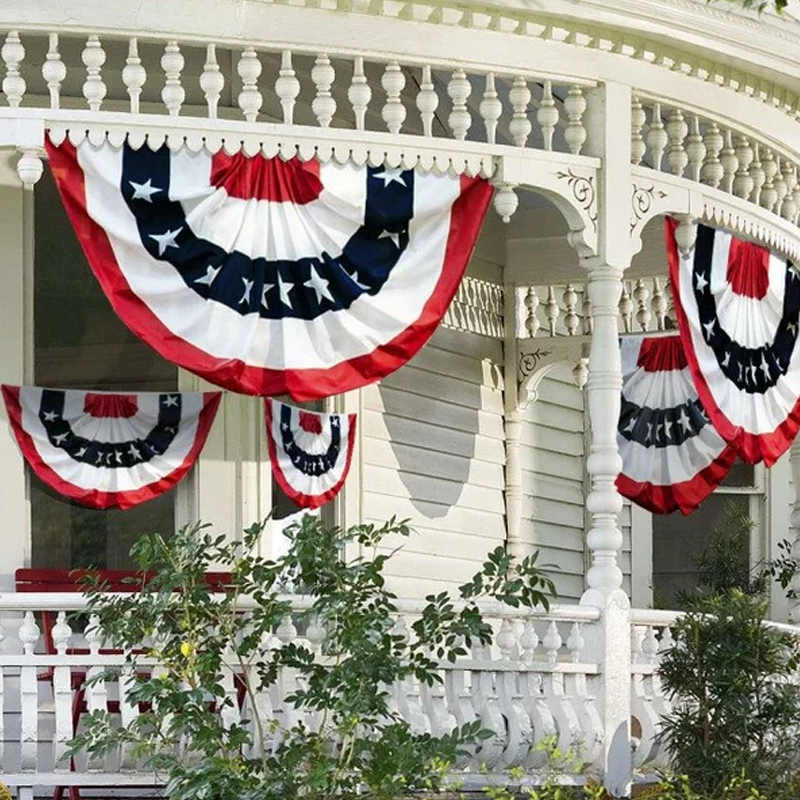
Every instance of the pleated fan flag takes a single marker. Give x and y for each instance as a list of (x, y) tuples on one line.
[(672, 457), (106, 450), (310, 452), (737, 306), (271, 277)]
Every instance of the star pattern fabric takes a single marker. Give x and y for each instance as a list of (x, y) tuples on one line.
[(737, 306), (245, 270), (106, 450), (672, 457), (310, 452)]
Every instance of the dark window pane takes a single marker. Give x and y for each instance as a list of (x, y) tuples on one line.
[(741, 474)]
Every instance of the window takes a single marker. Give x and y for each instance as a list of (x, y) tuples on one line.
[(80, 343), (679, 540)]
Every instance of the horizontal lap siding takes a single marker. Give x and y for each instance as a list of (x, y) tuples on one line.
[(433, 452)]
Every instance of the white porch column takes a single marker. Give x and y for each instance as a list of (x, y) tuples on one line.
[(608, 128), (794, 519), (16, 358)]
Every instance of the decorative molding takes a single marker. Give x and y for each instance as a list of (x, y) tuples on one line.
[(536, 357), (642, 201), (583, 191)]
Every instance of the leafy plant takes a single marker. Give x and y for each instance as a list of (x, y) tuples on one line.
[(346, 741)]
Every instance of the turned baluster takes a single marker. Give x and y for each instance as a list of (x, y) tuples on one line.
[(574, 107), (173, 93), (93, 57), (528, 642), (506, 641), (712, 171), (322, 76), (575, 642), (570, 300), (677, 129), (796, 194), (134, 75), (637, 637), (490, 109), (626, 308), (552, 643), (212, 81), (393, 82), (789, 207), (12, 53), (588, 319), (532, 323), (29, 695), (287, 87), (650, 645), (657, 138), (250, 99), (427, 101), (359, 94), (780, 186), (695, 149), (658, 304), (769, 197), (641, 296), (743, 181), (547, 115), (520, 126), (54, 71), (459, 90), (551, 310), (729, 161), (62, 689), (638, 119), (757, 174)]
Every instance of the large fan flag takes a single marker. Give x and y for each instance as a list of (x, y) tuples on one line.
[(672, 458), (271, 277), (109, 450), (737, 307), (310, 452)]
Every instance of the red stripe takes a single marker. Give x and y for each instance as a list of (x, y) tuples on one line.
[(259, 178), (750, 447), (466, 217), (661, 354), (299, 498), (93, 498), (115, 406), (748, 269)]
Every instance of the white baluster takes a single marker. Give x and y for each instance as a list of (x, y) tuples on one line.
[(552, 642), (769, 197), (729, 161), (695, 149), (711, 173), (393, 82), (359, 94), (789, 207), (506, 640), (62, 692), (588, 320), (638, 119), (490, 109), (575, 642), (286, 631), (547, 115), (249, 70), (551, 310), (570, 300), (212, 81), (315, 633), (134, 75), (666, 642), (743, 181), (575, 106), (29, 694), (796, 194), (96, 691), (626, 308), (173, 94), (427, 101), (459, 90), (93, 57), (54, 71), (641, 295), (287, 87), (677, 129), (128, 712), (28, 633), (757, 174), (532, 323), (528, 642), (658, 304), (12, 54), (657, 138), (506, 201), (519, 97), (580, 373), (323, 76), (650, 645), (780, 186), (637, 637)]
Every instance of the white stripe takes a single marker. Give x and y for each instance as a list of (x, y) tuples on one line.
[(102, 479), (109, 429), (275, 344)]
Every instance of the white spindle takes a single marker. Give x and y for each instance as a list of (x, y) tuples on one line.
[(128, 712), (638, 119), (427, 101), (711, 173), (54, 71), (769, 197), (757, 174), (286, 631), (695, 149), (134, 75), (212, 81), (780, 186), (743, 181), (393, 82), (532, 323), (520, 126), (650, 645), (287, 87), (96, 691), (528, 642), (729, 161), (552, 642), (570, 300), (575, 642), (588, 322), (666, 641), (551, 310), (490, 109), (547, 115), (506, 201), (315, 633), (28, 633), (626, 308), (173, 94), (62, 693), (658, 304), (641, 295), (459, 90), (359, 94), (12, 54), (677, 129), (796, 194), (506, 640), (29, 695), (249, 70), (93, 57), (575, 132), (580, 372), (323, 76), (657, 138), (789, 207)]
